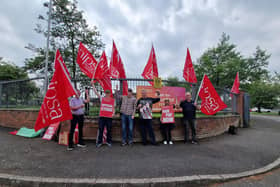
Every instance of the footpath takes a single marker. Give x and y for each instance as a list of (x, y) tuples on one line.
[(39, 160)]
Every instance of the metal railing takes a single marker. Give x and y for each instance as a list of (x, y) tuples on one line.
[(28, 93)]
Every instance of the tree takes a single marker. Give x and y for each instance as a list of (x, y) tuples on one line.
[(8, 71), (174, 81), (222, 62), (16, 92), (68, 29), (264, 94)]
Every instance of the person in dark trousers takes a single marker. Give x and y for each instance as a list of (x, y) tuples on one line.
[(189, 113), (167, 122), (77, 108), (106, 113), (128, 108), (144, 105)]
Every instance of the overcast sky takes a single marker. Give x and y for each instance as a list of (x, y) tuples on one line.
[(171, 25)]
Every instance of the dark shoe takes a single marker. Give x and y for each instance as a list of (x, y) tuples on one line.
[(70, 148), (98, 145), (81, 145), (130, 143), (144, 143), (155, 144)]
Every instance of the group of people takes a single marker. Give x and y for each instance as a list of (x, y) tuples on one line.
[(129, 105)]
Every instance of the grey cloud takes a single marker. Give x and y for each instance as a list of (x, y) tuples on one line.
[(172, 26)]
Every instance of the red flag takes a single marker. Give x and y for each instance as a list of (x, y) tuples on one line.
[(86, 61), (103, 73), (117, 68), (236, 84), (151, 70), (55, 107), (60, 60), (211, 101), (189, 73)]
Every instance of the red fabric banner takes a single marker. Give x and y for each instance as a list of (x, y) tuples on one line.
[(86, 61), (55, 107), (117, 68), (211, 101), (103, 75), (189, 73), (107, 107), (151, 70), (236, 84), (167, 114)]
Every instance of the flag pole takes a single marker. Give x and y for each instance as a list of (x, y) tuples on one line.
[(93, 86), (199, 89), (47, 48)]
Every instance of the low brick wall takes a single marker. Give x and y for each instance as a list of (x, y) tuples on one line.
[(206, 126), (16, 118)]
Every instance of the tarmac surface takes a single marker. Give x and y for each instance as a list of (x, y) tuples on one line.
[(269, 179), (251, 148)]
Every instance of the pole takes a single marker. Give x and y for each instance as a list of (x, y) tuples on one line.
[(47, 48)]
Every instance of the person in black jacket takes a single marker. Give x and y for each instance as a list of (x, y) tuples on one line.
[(189, 113), (144, 105)]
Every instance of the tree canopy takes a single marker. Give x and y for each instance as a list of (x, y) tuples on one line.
[(221, 63), (68, 29)]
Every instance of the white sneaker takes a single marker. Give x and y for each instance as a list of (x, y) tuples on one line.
[(170, 143), (164, 142)]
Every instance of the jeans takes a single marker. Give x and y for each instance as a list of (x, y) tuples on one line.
[(166, 131), (80, 120), (146, 124), (127, 128), (190, 123), (104, 122)]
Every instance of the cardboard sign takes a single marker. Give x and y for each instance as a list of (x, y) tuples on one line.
[(51, 131), (64, 137), (157, 83), (167, 114)]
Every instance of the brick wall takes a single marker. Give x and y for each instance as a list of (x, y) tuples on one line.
[(206, 126)]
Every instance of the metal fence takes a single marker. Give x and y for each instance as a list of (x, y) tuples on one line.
[(28, 93)]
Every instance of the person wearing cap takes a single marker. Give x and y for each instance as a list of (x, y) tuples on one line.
[(128, 107), (77, 108), (144, 105), (105, 117)]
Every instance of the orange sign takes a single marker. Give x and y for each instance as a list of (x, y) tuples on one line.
[(174, 94)]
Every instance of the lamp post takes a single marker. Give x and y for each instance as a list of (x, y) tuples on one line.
[(47, 49)]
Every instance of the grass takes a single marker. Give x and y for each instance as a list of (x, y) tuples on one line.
[(265, 113), (94, 111)]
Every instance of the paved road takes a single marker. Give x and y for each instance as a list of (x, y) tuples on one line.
[(252, 148), (270, 179)]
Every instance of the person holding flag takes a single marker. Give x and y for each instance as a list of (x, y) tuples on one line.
[(77, 108), (167, 122), (105, 117), (144, 105), (189, 113)]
